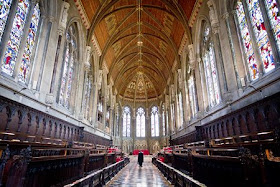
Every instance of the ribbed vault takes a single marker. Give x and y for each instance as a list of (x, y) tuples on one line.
[(139, 40)]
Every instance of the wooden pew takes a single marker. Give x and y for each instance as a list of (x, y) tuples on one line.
[(34, 164)]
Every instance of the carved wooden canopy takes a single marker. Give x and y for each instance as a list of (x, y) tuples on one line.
[(139, 40)]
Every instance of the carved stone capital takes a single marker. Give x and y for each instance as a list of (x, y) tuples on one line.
[(60, 31), (213, 17), (87, 57), (49, 99), (180, 78), (225, 16), (64, 14)]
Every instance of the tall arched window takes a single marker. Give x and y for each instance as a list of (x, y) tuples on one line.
[(250, 12), (140, 122), (181, 112), (208, 57), (70, 59), (163, 121), (154, 122), (14, 43), (192, 95), (126, 121)]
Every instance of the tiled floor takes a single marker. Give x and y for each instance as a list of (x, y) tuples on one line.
[(134, 175)]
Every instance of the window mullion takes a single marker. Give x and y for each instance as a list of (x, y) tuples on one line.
[(211, 74), (243, 54), (255, 45), (66, 76), (270, 33)]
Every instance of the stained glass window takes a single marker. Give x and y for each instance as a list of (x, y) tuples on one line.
[(26, 61), (274, 18), (154, 121), (261, 35), (140, 122), (192, 95), (126, 122), (210, 69), (12, 48), (247, 43), (68, 67), (5, 6), (181, 112), (163, 120)]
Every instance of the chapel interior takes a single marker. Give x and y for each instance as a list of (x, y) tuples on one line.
[(85, 85)]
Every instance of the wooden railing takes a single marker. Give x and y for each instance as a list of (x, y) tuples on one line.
[(100, 177), (176, 177)]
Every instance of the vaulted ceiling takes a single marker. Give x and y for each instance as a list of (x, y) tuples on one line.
[(139, 40)]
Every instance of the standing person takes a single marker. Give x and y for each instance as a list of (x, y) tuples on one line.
[(140, 158)]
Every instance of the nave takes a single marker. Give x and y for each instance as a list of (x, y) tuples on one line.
[(134, 175), (86, 84)]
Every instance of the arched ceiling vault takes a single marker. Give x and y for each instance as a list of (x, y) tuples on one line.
[(139, 40)]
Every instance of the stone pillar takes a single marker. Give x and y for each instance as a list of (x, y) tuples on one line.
[(50, 97), (219, 58), (232, 49), (94, 103), (201, 87), (111, 110)]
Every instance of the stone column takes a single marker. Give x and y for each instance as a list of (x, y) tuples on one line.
[(219, 58), (50, 97), (111, 110), (232, 49), (94, 103)]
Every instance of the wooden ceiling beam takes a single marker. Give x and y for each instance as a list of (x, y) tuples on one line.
[(98, 17), (152, 53)]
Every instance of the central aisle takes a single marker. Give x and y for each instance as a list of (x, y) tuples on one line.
[(134, 175)]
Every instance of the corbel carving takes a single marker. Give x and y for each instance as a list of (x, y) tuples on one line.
[(99, 81), (213, 17), (87, 57), (180, 78), (64, 15), (191, 57), (172, 92)]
